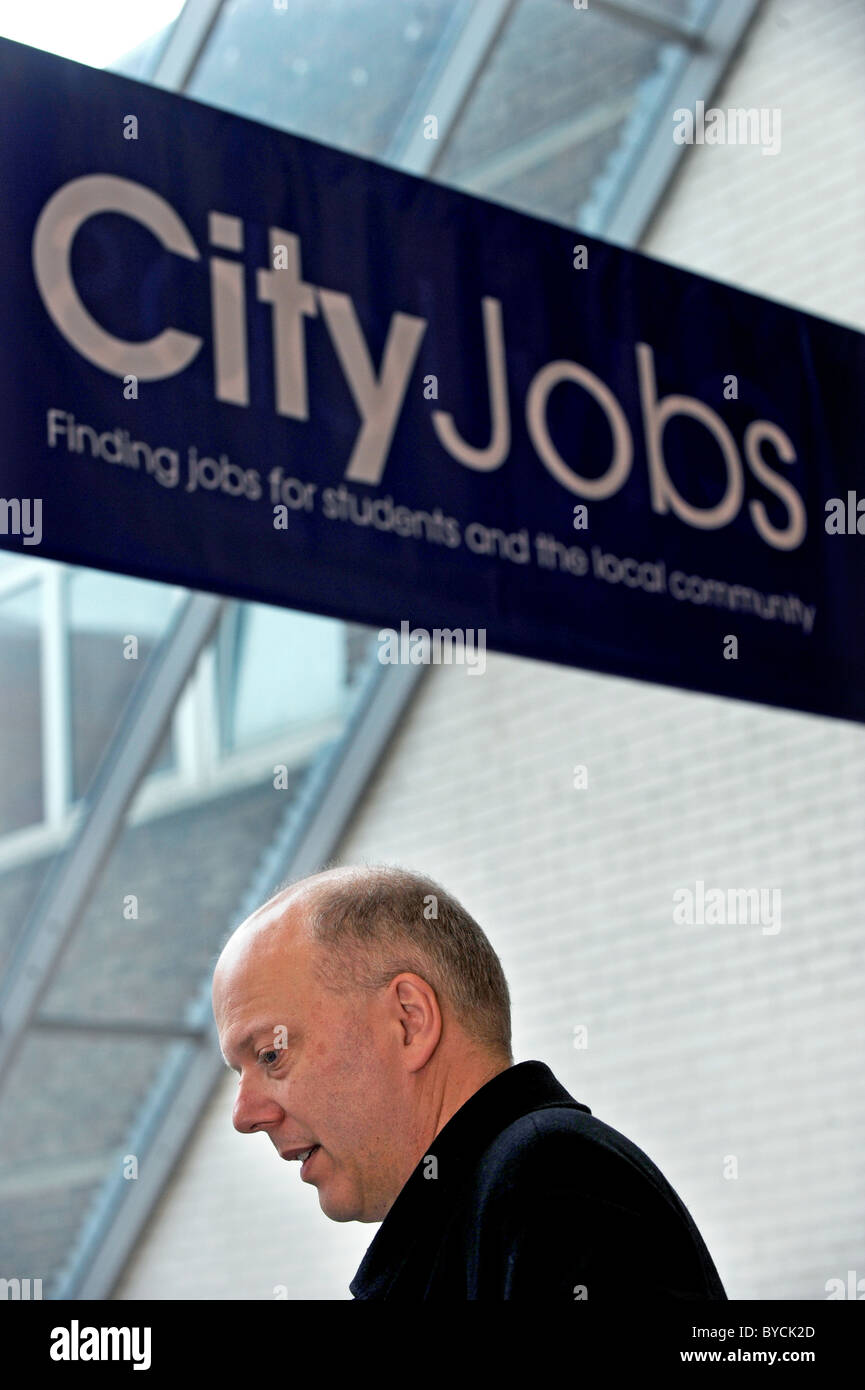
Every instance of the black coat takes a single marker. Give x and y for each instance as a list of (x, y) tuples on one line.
[(531, 1197)]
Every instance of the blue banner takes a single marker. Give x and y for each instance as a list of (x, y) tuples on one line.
[(241, 361)]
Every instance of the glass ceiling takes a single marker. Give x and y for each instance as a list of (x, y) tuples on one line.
[(540, 103)]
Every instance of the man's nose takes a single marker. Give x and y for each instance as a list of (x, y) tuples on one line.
[(253, 1110)]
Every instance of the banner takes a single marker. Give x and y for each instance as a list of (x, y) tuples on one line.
[(241, 361)]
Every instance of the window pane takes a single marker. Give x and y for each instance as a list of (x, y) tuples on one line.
[(289, 669), (13, 559), (105, 611), (550, 108), (339, 71)]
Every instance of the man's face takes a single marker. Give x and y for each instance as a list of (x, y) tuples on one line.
[(333, 1084)]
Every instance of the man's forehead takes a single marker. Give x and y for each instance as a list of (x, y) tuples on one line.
[(256, 963), (257, 992)]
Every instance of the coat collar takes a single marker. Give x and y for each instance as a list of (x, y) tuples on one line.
[(422, 1204)]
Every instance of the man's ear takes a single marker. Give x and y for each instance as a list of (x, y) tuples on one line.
[(419, 1016)]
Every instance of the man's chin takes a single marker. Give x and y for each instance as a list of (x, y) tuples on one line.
[(342, 1211), (335, 1212)]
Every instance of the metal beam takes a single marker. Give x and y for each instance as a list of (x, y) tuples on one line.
[(98, 1027), (70, 880), (185, 44), (651, 20), (624, 205), (448, 84), (57, 778), (308, 837)]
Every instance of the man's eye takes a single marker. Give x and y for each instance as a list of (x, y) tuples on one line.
[(271, 1053)]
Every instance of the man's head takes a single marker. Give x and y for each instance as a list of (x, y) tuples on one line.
[(361, 1007)]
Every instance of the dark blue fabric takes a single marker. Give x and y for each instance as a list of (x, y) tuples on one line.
[(405, 546)]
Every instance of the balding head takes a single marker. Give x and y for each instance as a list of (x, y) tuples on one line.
[(361, 1007)]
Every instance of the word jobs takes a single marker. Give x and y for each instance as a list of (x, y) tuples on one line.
[(379, 396)]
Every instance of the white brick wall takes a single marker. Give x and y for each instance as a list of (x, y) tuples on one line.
[(792, 225), (704, 1042)]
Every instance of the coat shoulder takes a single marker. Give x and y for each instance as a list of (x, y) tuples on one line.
[(562, 1191), (564, 1149)]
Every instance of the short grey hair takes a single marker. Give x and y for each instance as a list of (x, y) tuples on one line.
[(375, 921)]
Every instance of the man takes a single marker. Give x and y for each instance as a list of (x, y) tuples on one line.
[(368, 1018)]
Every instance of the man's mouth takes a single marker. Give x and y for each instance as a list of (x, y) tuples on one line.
[(302, 1154)]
